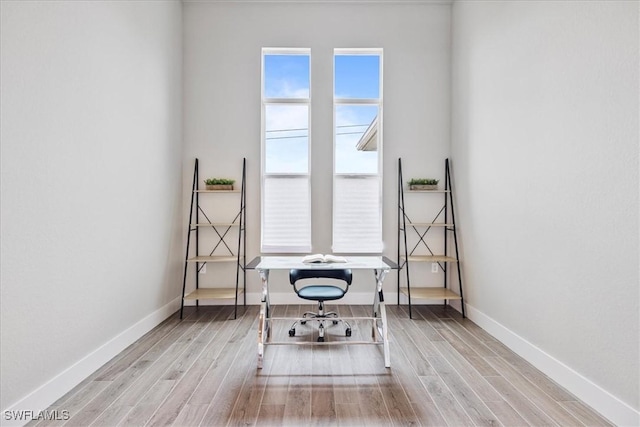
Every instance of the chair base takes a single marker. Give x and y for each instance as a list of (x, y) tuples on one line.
[(321, 317)]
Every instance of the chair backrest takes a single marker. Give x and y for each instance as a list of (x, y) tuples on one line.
[(344, 275)]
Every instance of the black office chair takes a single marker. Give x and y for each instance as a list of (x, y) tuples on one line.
[(320, 293)]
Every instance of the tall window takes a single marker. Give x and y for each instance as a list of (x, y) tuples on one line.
[(286, 96), (357, 182)]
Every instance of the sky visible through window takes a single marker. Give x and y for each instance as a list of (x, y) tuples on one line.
[(357, 76), (287, 126)]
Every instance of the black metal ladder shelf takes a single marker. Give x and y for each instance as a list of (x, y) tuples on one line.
[(221, 243), (422, 251)]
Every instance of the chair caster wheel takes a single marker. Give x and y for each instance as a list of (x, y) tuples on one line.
[(320, 339), (347, 332), (292, 332), (335, 322), (303, 322)]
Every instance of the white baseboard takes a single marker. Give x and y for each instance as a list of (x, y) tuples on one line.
[(41, 398), (612, 408)]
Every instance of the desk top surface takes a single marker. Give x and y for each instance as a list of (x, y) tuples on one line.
[(353, 262)]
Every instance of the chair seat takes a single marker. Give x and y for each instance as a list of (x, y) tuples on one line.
[(321, 293)]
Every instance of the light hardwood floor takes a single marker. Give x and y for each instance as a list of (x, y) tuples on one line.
[(445, 370)]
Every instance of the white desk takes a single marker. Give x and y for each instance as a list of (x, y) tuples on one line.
[(378, 264)]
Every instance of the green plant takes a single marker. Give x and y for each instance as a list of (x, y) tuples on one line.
[(424, 181), (219, 181)]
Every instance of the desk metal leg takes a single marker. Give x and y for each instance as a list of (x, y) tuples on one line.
[(263, 321), (379, 309), (385, 336)]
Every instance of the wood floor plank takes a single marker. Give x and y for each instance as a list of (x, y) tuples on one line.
[(428, 325), (187, 347), (79, 396), (349, 415), (298, 402), (370, 398), (518, 401), (475, 408), (323, 401), (323, 406), (446, 403), (344, 383), (146, 407), (506, 414), (371, 402), (428, 414), (403, 369), (76, 402), (477, 345), (297, 408), (247, 406), (190, 415), (298, 399), (121, 383), (413, 387), (171, 408), (115, 367), (586, 415), (414, 355), (425, 312), (221, 406), (211, 382), (271, 415), (202, 371), (375, 362), (477, 382), (476, 331), (195, 348), (111, 413), (280, 358), (529, 371), (462, 348), (443, 311), (550, 407), (420, 331), (399, 405)]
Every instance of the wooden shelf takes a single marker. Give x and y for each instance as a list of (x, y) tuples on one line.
[(216, 224), (431, 258), (218, 258), (217, 191), (430, 293), (407, 191), (213, 293), (429, 224)]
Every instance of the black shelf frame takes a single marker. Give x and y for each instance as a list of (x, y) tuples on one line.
[(405, 223), (240, 251)]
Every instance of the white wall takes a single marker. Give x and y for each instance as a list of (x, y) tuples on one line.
[(91, 186), (545, 143), (223, 42)]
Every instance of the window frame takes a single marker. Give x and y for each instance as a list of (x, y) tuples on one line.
[(342, 101), (264, 175)]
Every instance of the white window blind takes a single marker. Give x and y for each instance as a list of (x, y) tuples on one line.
[(357, 225), (286, 220)]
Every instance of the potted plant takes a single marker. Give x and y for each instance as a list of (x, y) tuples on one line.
[(423, 184), (219, 183)]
